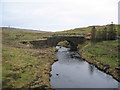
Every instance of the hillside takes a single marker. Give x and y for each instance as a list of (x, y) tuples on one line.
[(12, 36), (24, 30), (85, 30), (24, 66)]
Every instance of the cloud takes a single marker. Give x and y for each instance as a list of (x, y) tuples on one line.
[(119, 12), (59, 14)]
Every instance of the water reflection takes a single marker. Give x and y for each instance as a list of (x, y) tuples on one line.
[(65, 58), (91, 68), (72, 72), (62, 49)]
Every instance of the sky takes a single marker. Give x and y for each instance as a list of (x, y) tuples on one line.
[(57, 15), (119, 12)]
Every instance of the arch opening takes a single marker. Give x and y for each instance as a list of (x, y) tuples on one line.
[(68, 44), (63, 43)]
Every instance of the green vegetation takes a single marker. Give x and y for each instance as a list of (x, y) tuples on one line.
[(13, 37), (102, 54), (87, 29), (64, 44), (107, 33), (25, 67)]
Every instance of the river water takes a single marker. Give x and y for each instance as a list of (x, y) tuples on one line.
[(72, 72)]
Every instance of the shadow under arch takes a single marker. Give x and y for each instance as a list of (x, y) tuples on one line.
[(74, 41), (73, 46)]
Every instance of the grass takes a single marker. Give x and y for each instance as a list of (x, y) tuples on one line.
[(103, 53), (22, 66), (87, 29), (25, 67), (13, 37), (64, 44)]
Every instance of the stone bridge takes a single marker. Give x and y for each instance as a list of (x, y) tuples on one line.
[(54, 40), (73, 41)]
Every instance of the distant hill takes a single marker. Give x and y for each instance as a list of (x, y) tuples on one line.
[(13, 35), (24, 30), (85, 30)]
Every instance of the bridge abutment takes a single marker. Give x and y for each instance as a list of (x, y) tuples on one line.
[(73, 48), (73, 40)]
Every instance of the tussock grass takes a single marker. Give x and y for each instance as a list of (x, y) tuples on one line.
[(24, 67), (103, 53), (87, 29)]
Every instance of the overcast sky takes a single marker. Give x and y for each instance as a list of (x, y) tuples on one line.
[(56, 15)]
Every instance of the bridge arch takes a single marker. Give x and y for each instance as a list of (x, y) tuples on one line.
[(73, 41), (64, 44), (73, 46)]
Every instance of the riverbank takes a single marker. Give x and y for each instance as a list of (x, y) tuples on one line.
[(24, 66), (27, 68), (104, 55)]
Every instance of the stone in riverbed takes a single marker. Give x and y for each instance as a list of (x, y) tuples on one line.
[(43, 87), (57, 74), (117, 68), (106, 65)]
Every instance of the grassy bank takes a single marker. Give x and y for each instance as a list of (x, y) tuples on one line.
[(85, 30), (103, 55), (13, 37), (26, 68), (22, 65)]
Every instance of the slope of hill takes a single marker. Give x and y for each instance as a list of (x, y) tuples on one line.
[(12, 36), (24, 66), (85, 30), (24, 30)]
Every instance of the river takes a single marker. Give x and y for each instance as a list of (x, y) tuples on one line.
[(70, 71)]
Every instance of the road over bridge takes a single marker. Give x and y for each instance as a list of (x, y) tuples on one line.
[(73, 41), (54, 40)]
